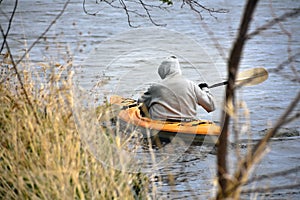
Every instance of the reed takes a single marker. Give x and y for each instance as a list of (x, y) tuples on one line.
[(41, 153)]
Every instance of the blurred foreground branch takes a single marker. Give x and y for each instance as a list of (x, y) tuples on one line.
[(292, 14), (276, 174), (254, 156), (231, 187), (233, 65)]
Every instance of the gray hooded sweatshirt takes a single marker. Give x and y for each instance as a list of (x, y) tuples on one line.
[(175, 97)]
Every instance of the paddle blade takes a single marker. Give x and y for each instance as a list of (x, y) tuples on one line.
[(252, 76)]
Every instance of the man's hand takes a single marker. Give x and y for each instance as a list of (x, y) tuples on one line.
[(203, 85)]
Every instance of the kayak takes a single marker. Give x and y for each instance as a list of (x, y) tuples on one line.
[(194, 131)]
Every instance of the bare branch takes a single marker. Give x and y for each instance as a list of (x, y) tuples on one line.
[(233, 65), (270, 189), (284, 63), (85, 10), (261, 145), (15, 64), (123, 5), (127, 13), (276, 174), (294, 76), (149, 15), (214, 40), (198, 8), (9, 25), (292, 118), (268, 25), (289, 49), (45, 32), (19, 76), (254, 156), (146, 8)]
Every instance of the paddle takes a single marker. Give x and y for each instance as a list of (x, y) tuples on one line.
[(248, 77)]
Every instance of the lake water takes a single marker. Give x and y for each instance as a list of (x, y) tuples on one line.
[(104, 49)]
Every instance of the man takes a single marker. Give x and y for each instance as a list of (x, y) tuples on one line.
[(175, 98)]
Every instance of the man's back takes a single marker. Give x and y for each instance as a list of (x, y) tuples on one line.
[(175, 97)]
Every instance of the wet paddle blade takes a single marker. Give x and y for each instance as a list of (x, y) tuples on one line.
[(252, 77)]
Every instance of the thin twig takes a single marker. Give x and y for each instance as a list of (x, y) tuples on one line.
[(255, 155), (15, 64), (45, 32), (85, 10), (272, 175), (289, 49), (19, 77), (149, 15), (211, 34), (292, 118), (127, 13), (285, 63), (9, 25), (198, 8), (5, 43), (146, 7), (268, 25), (292, 76), (261, 145), (270, 189)]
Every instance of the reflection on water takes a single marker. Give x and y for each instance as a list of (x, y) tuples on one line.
[(77, 36)]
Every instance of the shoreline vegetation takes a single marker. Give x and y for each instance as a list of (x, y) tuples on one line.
[(42, 156)]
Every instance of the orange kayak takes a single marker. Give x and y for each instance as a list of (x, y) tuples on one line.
[(196, 130)]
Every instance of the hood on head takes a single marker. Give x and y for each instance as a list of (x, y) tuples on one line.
[(169, 66)]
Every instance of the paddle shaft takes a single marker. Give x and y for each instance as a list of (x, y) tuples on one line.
[(218, 84), (248, 77)]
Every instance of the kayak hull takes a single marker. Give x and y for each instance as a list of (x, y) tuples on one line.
[(197, 131)]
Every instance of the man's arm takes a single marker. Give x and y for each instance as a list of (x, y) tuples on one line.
[(204, 97)]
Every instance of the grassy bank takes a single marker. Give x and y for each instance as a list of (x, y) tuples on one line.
[(41, 154)]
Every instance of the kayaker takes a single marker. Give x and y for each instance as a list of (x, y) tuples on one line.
[(175, 98)]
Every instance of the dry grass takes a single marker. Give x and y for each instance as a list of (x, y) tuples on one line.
[(41, 154)]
